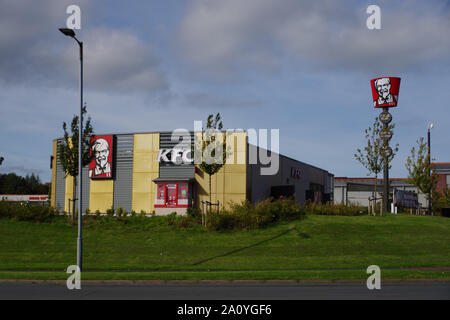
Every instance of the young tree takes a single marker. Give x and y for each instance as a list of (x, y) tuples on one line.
[(419, 166), (68, 149), (211, 162), (371, 156)]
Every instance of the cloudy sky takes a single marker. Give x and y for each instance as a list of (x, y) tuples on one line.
[(299, 66)]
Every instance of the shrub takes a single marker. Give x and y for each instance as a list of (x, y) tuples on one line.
[(110, 212), (120, 212), (245, 215), (194, 213), (335, 209), (27, 212), (143, 212)]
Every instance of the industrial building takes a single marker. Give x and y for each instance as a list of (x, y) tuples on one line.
[(359, 190), (138, 172)]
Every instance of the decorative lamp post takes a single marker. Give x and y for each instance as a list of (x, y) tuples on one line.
[(385, 95)]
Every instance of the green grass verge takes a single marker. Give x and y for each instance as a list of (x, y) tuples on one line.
[(315, 242)]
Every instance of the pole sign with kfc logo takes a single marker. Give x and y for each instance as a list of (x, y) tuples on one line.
[(385, 91), (101, 165)]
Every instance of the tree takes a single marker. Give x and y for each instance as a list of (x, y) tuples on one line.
[(418, 165), (209, 145), (68, 149), (371, 156), (13, 184)]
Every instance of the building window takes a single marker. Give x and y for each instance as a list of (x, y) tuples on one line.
[(183, 189), (172, 195), (161, 195)]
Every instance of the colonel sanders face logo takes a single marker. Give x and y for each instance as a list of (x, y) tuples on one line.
[(101, 151), (385, 94)]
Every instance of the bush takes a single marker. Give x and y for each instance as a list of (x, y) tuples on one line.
[(110, 212), (120, 212), (245, 215), (335, 209), (194, 213), (27, 212)]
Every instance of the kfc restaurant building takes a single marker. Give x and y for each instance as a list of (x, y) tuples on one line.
[(136, 172)]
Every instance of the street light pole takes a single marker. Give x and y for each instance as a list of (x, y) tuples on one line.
[(71, 33), (430, 126)]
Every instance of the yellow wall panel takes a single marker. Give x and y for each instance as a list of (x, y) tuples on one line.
[(144, 162), (101, 195), (145, 170), (143, 142), (143, 201), (102, 186), (101, 202), (230, 182), (235, 168), (235, 183), (68, 194), (234, 198)]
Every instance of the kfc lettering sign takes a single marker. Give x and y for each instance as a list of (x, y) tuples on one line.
[(385, 92), (176, 156), (101, 152), (295, 173)]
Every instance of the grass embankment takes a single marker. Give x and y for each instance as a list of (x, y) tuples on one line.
[(343, 246)]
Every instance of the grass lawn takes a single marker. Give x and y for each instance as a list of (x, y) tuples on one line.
[(344, 246)]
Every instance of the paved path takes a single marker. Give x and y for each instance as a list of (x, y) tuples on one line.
[(214, 291)]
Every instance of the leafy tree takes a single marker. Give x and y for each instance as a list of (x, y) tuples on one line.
[(418, 165), (30, 184), (441, 200), (68, 149), (371, 156), (209, 144)]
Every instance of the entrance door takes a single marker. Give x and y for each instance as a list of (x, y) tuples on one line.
[(172, 195)]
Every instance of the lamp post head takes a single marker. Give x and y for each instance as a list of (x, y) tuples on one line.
[(68, 32)]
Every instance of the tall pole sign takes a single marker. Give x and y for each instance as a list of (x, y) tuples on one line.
[(385, 95)]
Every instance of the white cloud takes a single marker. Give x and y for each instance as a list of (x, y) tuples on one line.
[(223, 37), (118, 60), (32, 51)]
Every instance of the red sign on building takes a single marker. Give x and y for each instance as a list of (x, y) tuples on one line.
[(385, 91), (101, 165)]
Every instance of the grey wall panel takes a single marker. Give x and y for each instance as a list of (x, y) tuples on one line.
[(86, 189), (123, 183), (60, 188), (169, 169)]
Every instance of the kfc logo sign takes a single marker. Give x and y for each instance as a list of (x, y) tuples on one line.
[(100, 166), (295, 173), (385, 92), (175, 155)]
